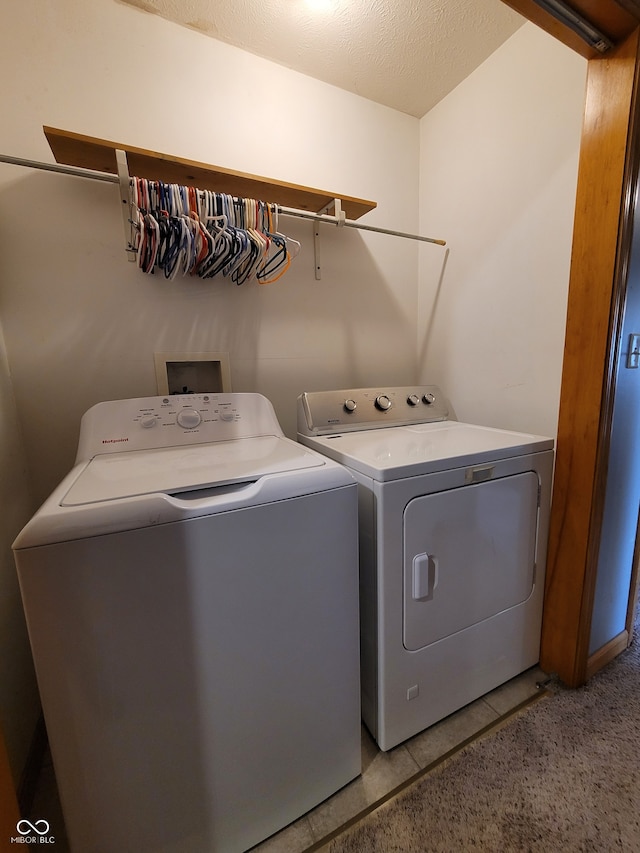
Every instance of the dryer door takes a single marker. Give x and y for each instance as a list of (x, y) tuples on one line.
[(469, 553)]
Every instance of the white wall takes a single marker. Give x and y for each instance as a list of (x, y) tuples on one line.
[(498, 174), (497, 180), (82, 324), (19, 707)]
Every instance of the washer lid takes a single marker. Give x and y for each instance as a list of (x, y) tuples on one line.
[(179, 469), (390, 454)]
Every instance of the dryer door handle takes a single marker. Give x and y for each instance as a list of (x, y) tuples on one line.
[(425, 577)]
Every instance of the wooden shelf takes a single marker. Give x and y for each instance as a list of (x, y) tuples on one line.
[(88, 152)]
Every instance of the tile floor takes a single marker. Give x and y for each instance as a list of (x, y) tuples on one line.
[(382, 772)]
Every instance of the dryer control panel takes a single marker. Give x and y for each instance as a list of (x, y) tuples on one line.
[(145, 423), (326, 412)]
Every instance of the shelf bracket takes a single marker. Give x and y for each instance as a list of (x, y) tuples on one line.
[(334, 206), (125, 198)]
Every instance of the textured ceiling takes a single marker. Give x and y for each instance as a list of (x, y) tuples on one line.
[(405, 54)]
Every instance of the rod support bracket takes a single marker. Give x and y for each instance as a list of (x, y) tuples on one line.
[(316, 251), (333, 209), (124, 181)]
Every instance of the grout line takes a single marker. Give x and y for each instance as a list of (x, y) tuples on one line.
[(399, 789)]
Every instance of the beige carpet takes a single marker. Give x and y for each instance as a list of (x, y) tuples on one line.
[(562, 775)]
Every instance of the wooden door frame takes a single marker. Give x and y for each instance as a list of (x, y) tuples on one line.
[(587, 664), (607, 177), (9, 812), (597, 288)]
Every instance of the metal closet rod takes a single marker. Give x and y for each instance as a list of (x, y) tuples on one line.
[(347, 223), (284, 211), (55, 167)]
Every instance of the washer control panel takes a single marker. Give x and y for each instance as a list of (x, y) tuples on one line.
[(145, 423), (187, 411), (326, 412)]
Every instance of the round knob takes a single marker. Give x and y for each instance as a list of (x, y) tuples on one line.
[(148, 421), (189, 418), (350, 405), (413, 399), (383, 403), (428, 399)]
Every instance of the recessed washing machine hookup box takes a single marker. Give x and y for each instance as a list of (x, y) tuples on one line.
[(192, 372)]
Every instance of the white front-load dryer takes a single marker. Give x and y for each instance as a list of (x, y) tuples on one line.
[(453, 522), (191, 594)]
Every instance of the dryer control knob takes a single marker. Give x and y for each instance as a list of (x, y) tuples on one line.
[(428, 399), (383, 402), (189, 418), (413, 399), (350, 405)]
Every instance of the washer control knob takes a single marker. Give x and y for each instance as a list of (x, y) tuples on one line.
[(189, 418), (148, 421), (413, 399), (383, 403), (428, 399), (350, 405), (227, 416)]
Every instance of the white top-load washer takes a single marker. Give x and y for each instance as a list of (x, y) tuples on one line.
[(453, 522), (191, 594)]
